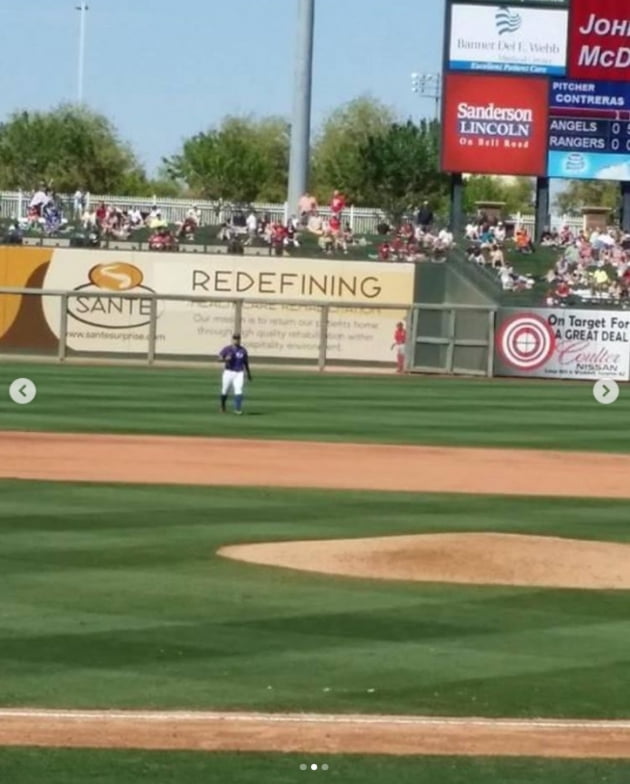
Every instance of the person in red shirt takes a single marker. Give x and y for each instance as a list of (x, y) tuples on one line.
[(101, 213), (563, 290), (400, 344), (337, 204), (384, 251), (278, 236)]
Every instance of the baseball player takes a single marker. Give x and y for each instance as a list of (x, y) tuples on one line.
[(236, 363), (400, 344)]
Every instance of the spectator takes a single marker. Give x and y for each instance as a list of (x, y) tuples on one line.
[(162, 240), (252, 226), (307, 206), (316, 224), (101, 213), (135, 218), (337, 204), (384, 251), (497, 259), (425, 217), (40, 199), (78, 203)]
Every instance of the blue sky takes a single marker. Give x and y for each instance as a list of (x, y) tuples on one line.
[(163, 70)]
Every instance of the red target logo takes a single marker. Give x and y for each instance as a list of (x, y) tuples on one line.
[(526, 342)]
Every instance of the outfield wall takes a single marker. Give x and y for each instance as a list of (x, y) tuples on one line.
[(187, 305)]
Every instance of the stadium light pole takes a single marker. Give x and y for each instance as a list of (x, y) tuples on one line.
[(83, 8), (303, 87), (428, 85)]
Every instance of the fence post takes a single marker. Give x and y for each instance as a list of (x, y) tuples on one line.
[(450, 349), (415, 318), (352, 224), (152, 330), (323, 337), (63, 328), (491, 335), (286, 213), (408, 328), (20, 205), (88, 200), (238, 316)]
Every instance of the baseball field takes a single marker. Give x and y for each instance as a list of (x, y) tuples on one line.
[(392, 579)]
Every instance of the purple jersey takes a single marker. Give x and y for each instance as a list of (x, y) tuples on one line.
[(235, 358)]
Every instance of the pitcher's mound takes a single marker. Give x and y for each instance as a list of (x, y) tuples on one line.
[(481, 558)]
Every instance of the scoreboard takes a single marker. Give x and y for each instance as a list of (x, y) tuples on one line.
[(589, 129)]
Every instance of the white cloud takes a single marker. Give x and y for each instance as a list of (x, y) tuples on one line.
[(619, 172)]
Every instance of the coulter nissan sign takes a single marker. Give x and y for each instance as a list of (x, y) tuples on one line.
[(599, 40)]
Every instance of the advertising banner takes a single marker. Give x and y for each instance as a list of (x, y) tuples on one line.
[(99, 324), (495, 125), (599, 40), (563, 344), (511, 40)]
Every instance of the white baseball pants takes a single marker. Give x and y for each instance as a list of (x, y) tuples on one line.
[(233, 379)]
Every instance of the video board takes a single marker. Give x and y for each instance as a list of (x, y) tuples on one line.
[(558, 97), (589, 130)]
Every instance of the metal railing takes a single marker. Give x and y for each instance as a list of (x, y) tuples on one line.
[(363, 220), (152, 353)]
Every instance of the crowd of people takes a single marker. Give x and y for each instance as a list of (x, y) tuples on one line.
[(487, 243), (592, 267), (330, 230)]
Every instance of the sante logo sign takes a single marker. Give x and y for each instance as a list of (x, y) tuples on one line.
[(599, 40), (495, 125), (110, 311)]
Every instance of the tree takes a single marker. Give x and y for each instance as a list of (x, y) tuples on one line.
[(244, 160), (588, 193), (400, 169), (517, 193), (68, 148), (336, 156)]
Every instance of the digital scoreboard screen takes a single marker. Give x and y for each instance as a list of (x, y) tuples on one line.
[(589, 130)]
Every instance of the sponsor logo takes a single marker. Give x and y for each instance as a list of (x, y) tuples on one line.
[(491, 120), (486, 117), (506, 40), (575, 163), (111, 312), (526, 342), (507, 21)]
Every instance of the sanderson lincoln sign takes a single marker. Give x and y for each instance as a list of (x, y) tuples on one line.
[(508, 39), (490, 120), (599, 42)]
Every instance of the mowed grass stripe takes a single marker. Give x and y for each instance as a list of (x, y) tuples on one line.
[(113, 597), (408, 410), (63, 766)]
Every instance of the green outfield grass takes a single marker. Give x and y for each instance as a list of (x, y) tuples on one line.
[(309, 406), (35, 766), (113, 596)]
